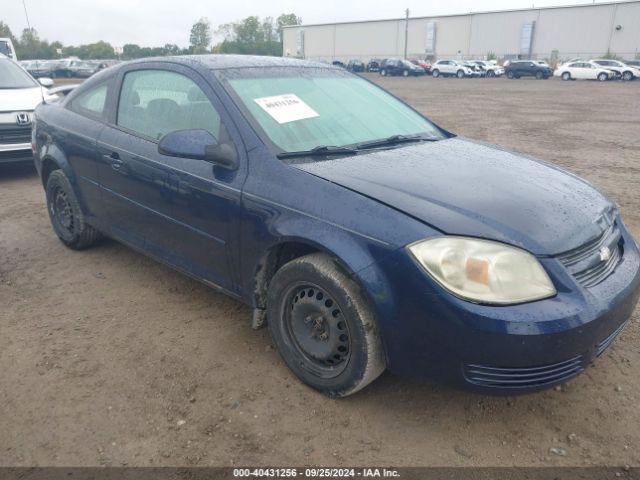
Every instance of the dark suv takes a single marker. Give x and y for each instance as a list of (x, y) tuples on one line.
[(528, 68), (355, 66), (396, 66)]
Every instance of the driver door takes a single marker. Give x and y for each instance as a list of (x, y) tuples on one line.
[(178, 209)]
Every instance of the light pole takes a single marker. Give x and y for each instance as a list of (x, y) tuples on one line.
[(406, 32), (24, 5)]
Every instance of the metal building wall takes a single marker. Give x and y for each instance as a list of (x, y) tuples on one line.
[(588, 30)]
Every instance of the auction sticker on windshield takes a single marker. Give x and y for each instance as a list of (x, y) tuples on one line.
[(286, 108)]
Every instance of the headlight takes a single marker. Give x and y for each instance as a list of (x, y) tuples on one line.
[(483, 271)]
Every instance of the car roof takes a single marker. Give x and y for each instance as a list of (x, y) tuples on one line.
[(221, 62)]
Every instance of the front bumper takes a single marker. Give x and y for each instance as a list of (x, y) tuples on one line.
[(515, 349), (15, 153)]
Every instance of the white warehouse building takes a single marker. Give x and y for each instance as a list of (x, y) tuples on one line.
[(562, 32)]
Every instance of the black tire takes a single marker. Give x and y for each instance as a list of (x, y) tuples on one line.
[(603, 77), (66, 215), (627, 76), (323, 326), (435, 73), (566, 76), (405, 73), (383, 72), (460, 74), (491, 74), (510, 75), (539, 75)]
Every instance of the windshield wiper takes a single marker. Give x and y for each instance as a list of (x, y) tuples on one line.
[(394, 140), (320, 150)]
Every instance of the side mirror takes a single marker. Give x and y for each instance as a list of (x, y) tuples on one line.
[(46, 82), (199, 145)]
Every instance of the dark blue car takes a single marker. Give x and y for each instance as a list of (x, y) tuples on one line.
[(367, 237)]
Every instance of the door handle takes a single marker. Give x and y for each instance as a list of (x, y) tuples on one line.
[(114, 159)]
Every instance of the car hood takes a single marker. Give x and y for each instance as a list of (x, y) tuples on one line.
[(463, 187), (16, 99)]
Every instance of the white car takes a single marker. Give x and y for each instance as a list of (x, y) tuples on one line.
[(450, 68), (20, 94), (626, 72), (583, 71), (6, 48), (490, 69)]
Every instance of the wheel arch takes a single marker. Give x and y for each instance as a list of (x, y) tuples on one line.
[(52, 159)]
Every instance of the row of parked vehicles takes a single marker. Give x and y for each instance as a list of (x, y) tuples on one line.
[(574, 69), (64, 68)]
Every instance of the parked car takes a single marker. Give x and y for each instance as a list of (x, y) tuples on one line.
[(396, 66), (355, 66), (622, 70), (7, 49), (374, 65), (489, 69), (41, 68), (20, 93), (450, 68), (338, 63), (426, 66), (527, 68), (367, 237), (583, 71), (476, 71), (633, 63), (73, 69)]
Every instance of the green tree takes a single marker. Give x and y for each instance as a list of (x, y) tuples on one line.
[(200, 37), (6, 32), (253, 36), (285, 20)]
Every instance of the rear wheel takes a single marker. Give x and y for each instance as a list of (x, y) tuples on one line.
[(435, 73), (491, 74), (566, 76), (405, 73), (323, 326), (66, 215), (383, 72), (460, 74), (510, 75), (603, 77)]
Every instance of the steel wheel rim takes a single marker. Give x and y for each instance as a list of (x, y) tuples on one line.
[(316, 328), (62, 210)]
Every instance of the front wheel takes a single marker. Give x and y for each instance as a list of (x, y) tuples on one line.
[(323, 326), (383, 72), (603, 77), (566, 76), (491, 74), (539, 75), (405, 73), (510, 75), (627, 76), (435, 73), (66, 215)]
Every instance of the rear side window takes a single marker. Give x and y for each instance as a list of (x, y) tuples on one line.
[(92, 102), (156, 102)]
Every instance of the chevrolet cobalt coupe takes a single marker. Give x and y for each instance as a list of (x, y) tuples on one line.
[(365, 236)]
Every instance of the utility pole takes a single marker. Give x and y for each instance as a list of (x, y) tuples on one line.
[(406, 32), (26, 15)]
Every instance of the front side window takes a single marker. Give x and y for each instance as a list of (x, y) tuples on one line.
[(13, 76), (303, 108), (156, 102), (91, 102)]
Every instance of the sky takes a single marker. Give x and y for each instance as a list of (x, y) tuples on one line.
[(157, 22)]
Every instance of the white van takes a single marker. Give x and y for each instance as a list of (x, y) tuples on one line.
[(6, 48)]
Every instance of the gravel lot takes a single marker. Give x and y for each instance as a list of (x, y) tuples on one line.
[(108, 358)]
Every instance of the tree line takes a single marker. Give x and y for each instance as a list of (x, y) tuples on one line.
[(251, 35)]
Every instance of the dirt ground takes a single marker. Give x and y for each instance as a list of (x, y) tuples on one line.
[(108, 358)]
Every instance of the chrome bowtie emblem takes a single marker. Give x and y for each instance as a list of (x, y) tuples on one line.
[(605, 254), (23, 118)]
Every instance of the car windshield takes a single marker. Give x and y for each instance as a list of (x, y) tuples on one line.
[(300, 109), (13, 76)]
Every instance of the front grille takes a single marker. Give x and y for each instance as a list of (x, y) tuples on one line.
[(585, 263), (522, 377), (9, 135), (604, 344)]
